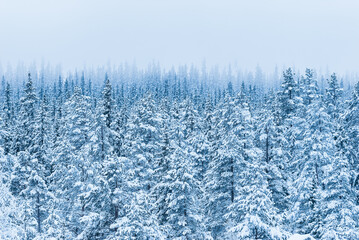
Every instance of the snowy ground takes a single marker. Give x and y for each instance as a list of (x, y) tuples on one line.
[(301, 237)]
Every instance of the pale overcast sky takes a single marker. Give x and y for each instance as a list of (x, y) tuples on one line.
[(314, 33)]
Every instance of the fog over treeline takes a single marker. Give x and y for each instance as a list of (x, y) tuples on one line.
[(206, 78)]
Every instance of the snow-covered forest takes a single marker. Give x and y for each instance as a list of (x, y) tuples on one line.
[(184, 153)]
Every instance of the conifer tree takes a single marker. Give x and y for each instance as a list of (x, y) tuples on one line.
[(7, 121), (10, 212), (289, 91), (26, 122), (333, 94)]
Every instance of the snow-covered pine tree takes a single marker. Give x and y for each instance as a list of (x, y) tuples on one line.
[(219, 177), (252, 215), (333, 94), (11, 220), (71, 164), (162, 186), (310, 87), (28, 179), (26, 121), (96, 192), (288, 93), (338, 208), (142, 148), (7, 121), (272, 142), (350, 130), (318, 152), (182, 200)]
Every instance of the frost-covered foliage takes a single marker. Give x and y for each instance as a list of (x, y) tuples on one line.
[(155, 154), (11, 220)]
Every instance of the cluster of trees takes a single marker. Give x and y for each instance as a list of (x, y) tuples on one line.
[(161, 160)]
